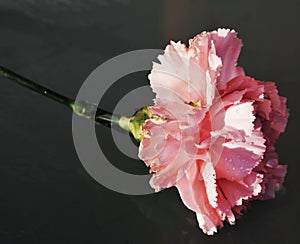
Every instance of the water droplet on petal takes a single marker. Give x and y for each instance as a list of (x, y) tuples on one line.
[(255, 156), (271, 163)]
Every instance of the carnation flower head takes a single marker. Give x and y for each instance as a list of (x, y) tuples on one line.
[(212, 129)]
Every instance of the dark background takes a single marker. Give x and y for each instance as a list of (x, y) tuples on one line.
[(45, 194)]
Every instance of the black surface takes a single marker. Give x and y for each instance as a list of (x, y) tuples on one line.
[(45, 194)]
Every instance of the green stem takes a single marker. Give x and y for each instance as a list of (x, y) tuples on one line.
[(81, 108), (35, 87)]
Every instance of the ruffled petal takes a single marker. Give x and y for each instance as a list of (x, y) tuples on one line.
[(236, 192), (228, 48), (184, 75), (193, 192), (273, 172), (274, 118)]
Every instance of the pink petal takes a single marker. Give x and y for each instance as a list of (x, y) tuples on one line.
[(251, 88), (236, 163), (173, 76), (185, 74), (273, 174), (205, 54), (264, 109), (228, 48), (240, 117), (224, 207), (236, 192), (253, 143), (275, 123), (193, 193)]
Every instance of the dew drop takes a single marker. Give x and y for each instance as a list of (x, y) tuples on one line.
[(255, 156), (271, 163)]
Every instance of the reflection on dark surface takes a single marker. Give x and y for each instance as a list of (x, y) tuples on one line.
[(46, 196)]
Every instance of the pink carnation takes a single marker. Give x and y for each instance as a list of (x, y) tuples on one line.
[(212, 129)]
